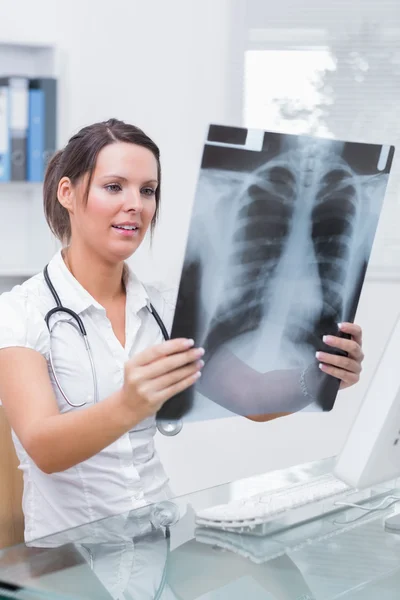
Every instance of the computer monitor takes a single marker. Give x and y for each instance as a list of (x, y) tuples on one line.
[(371, 453)]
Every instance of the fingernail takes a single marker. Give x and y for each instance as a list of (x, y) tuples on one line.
[(321, 366), (200, 363), (327, 338), (198, 374), (318, 354), (189, 343), (340, 325)]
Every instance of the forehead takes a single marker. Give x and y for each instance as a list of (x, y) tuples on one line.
[(126, 160)]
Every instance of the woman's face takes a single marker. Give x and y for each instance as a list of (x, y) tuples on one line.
[(121, 201)]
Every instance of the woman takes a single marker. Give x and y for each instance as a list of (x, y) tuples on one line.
[(83, 460)]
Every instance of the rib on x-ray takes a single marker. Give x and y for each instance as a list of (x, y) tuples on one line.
[(281, 232)]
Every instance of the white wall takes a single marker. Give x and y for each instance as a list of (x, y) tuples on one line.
[(169, 67)]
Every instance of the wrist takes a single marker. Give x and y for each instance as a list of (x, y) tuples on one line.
[(125, 411)]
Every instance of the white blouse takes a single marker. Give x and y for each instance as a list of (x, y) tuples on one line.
[(128, 473)]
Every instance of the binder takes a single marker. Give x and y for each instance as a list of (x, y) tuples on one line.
[(18, 124), (4, 134), (36, 130), (48, 87)]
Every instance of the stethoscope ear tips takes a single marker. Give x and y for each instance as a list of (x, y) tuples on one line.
[(169, 427)]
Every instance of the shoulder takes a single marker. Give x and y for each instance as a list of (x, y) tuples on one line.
[(22, 312)]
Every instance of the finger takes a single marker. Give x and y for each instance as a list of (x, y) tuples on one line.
[(166, 381), (169, 364), (354, 330), (349, 346), (161, 350), (343, 362), (176, 388), (346, 377)]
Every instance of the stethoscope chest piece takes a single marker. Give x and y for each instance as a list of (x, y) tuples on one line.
[(169, 427)]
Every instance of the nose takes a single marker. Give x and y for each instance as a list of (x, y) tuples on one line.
[(133, 201)]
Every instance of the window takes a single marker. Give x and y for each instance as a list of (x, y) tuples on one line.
[(342, 85), (281, 82)]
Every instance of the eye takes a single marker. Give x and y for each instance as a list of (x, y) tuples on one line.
[(148, 191), (113, 187)]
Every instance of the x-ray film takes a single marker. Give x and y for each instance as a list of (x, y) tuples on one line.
[(280, 237)]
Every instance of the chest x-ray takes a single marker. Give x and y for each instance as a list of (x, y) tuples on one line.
[(279, 241)]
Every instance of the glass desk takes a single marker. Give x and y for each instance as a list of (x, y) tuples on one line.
[(158, 552)]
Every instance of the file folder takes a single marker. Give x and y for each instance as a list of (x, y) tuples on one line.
[(48, 87), (4, 134), (36, 156), (18, 124)]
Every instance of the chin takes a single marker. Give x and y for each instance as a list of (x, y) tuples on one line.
[(121, 252)]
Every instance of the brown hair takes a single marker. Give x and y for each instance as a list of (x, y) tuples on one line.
[(78, 158)]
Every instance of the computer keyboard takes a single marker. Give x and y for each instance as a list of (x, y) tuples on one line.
[(289, 506), (261, 549)]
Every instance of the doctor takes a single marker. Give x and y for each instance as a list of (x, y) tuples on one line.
[(83, 415)]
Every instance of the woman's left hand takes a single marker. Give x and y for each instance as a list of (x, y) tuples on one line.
[(345, 368)]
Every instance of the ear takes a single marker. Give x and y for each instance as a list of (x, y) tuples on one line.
[(66, 194)]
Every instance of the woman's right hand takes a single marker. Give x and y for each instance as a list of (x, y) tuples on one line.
[(158, 373)]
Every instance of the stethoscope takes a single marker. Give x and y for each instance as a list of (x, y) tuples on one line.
[(164, 427)]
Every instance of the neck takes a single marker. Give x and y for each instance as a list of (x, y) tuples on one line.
[(102, 280)]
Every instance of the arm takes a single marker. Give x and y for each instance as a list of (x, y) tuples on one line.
[(55, 441), (265, 418)]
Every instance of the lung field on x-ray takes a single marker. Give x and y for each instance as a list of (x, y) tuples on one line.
[(263, 222), (334, 220), (295, 221)]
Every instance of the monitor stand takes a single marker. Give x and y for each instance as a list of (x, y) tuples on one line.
[(392, 524)]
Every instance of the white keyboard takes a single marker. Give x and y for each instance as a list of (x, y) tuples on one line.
[(263, 549), (296, 504)]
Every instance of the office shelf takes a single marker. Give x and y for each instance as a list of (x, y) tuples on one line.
[(25, 239), (19, 187), (18, 273), (30, 60)]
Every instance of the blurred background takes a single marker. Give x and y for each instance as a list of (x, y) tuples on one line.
[(328, 68)]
